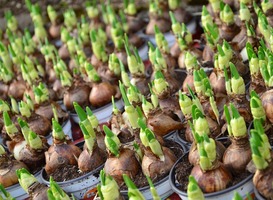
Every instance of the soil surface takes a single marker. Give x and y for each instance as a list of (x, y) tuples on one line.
[(65, 173), (141, 180)]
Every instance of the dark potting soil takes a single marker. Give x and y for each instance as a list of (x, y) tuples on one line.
[(175, 147), (126, 138), (183, 170), (141, 181), (65, 173)]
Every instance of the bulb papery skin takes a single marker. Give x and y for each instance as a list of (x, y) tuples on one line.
[(237, 155), (126, 163), (263, 179), (219, 177), (267, 101)]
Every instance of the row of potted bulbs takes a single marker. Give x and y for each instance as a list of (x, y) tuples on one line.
[(158, 76)]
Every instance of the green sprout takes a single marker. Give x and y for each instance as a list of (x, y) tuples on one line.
[(260, 147), (25, 179), (55, 191), (41, 93), (7, 195), (206, 18), (185, 104), (70, 19), (193, 190), (91, 9), (152, 141), (236, 123), (113, 64), (133, 192), (245, 14), (108, 188), (152, 189), (256, 106), (52, 14), (9, 125), (57, 132), (201, 125), (4, 106), (237, 82), (111, 141), (160, 84), (176, 27), (226, 15), (129, 109), (147, 107), (35, 141), (161, 40)]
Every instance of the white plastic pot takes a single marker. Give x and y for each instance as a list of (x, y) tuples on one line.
[(191, 26), (66, 129), (104, 113), (143, 51), (81, 187), (243, 188), (258, 196), (244, 54), (17, 192)]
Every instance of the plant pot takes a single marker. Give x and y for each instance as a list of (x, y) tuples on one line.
[(162, 186), (143, 51), (244, 187), (243, 54), (81, 187), (185, 143), (103, 114), (61, 103), (66, 129), (171, 135), (191, 26), (17, 192)]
